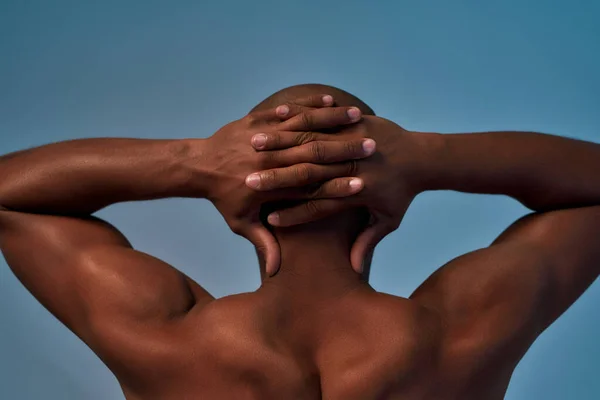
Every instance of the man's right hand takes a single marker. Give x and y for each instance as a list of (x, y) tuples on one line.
[(308, 171), (392, 178)]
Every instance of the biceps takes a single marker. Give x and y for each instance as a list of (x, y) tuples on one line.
[(569, 242), (42, 251), (503, 283), (492, 302), (84, 269), (542, 262)]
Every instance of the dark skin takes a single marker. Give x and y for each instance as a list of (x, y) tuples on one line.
[(459, 336)]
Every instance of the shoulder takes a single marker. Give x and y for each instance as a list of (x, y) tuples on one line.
[(231, 321)]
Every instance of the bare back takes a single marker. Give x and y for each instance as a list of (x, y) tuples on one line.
[(367, 346), (164, 337)]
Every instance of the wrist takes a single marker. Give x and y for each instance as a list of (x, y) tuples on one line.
[(429, 150), (195, 174)]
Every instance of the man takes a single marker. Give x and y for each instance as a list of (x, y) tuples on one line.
[(315, 328)]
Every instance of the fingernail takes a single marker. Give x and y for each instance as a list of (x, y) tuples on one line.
[(327, 100), (282, 111), (273, 218), (368, 146), (354, 114), (355, 184), (259, 140), (253, 180)]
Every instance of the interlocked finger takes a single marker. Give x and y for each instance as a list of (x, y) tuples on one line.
[(298, 175), (322, 118), (293, 108), (317, 100), (322, 152), (279, 140)]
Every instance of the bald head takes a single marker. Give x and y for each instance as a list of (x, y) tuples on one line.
[(289, 94), (339, 230)]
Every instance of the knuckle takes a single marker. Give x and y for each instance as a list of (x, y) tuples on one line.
[(352, 149), (341, 186), (311, 207), (269, 178), (273, 140), (306, 120), (252, 119), (318, 151), (302, 173), (305, 137), (314, 100)]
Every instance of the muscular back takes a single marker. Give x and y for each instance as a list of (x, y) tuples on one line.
[(366, 346), (458, 337)]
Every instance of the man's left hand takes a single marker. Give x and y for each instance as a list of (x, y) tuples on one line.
[(392, 177)]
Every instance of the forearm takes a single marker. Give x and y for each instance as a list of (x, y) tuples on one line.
[(543, 172), (83, 176)]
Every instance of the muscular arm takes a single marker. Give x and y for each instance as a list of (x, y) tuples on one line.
[(502, 297), (80, 177), (543, 172), (83, 269)]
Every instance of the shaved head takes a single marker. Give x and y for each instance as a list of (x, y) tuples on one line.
[(338, 230)]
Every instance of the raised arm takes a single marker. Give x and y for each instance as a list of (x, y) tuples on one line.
[(543, 172), (497, 300), (83, 269), (559, 178), (509, 292)]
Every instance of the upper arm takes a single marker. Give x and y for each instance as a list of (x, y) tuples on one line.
[(566, 246), (86, 273), (502, 297)]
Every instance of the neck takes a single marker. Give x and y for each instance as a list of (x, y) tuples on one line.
[(315, 267)]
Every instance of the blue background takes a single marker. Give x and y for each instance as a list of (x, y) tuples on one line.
[(183, 69)]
